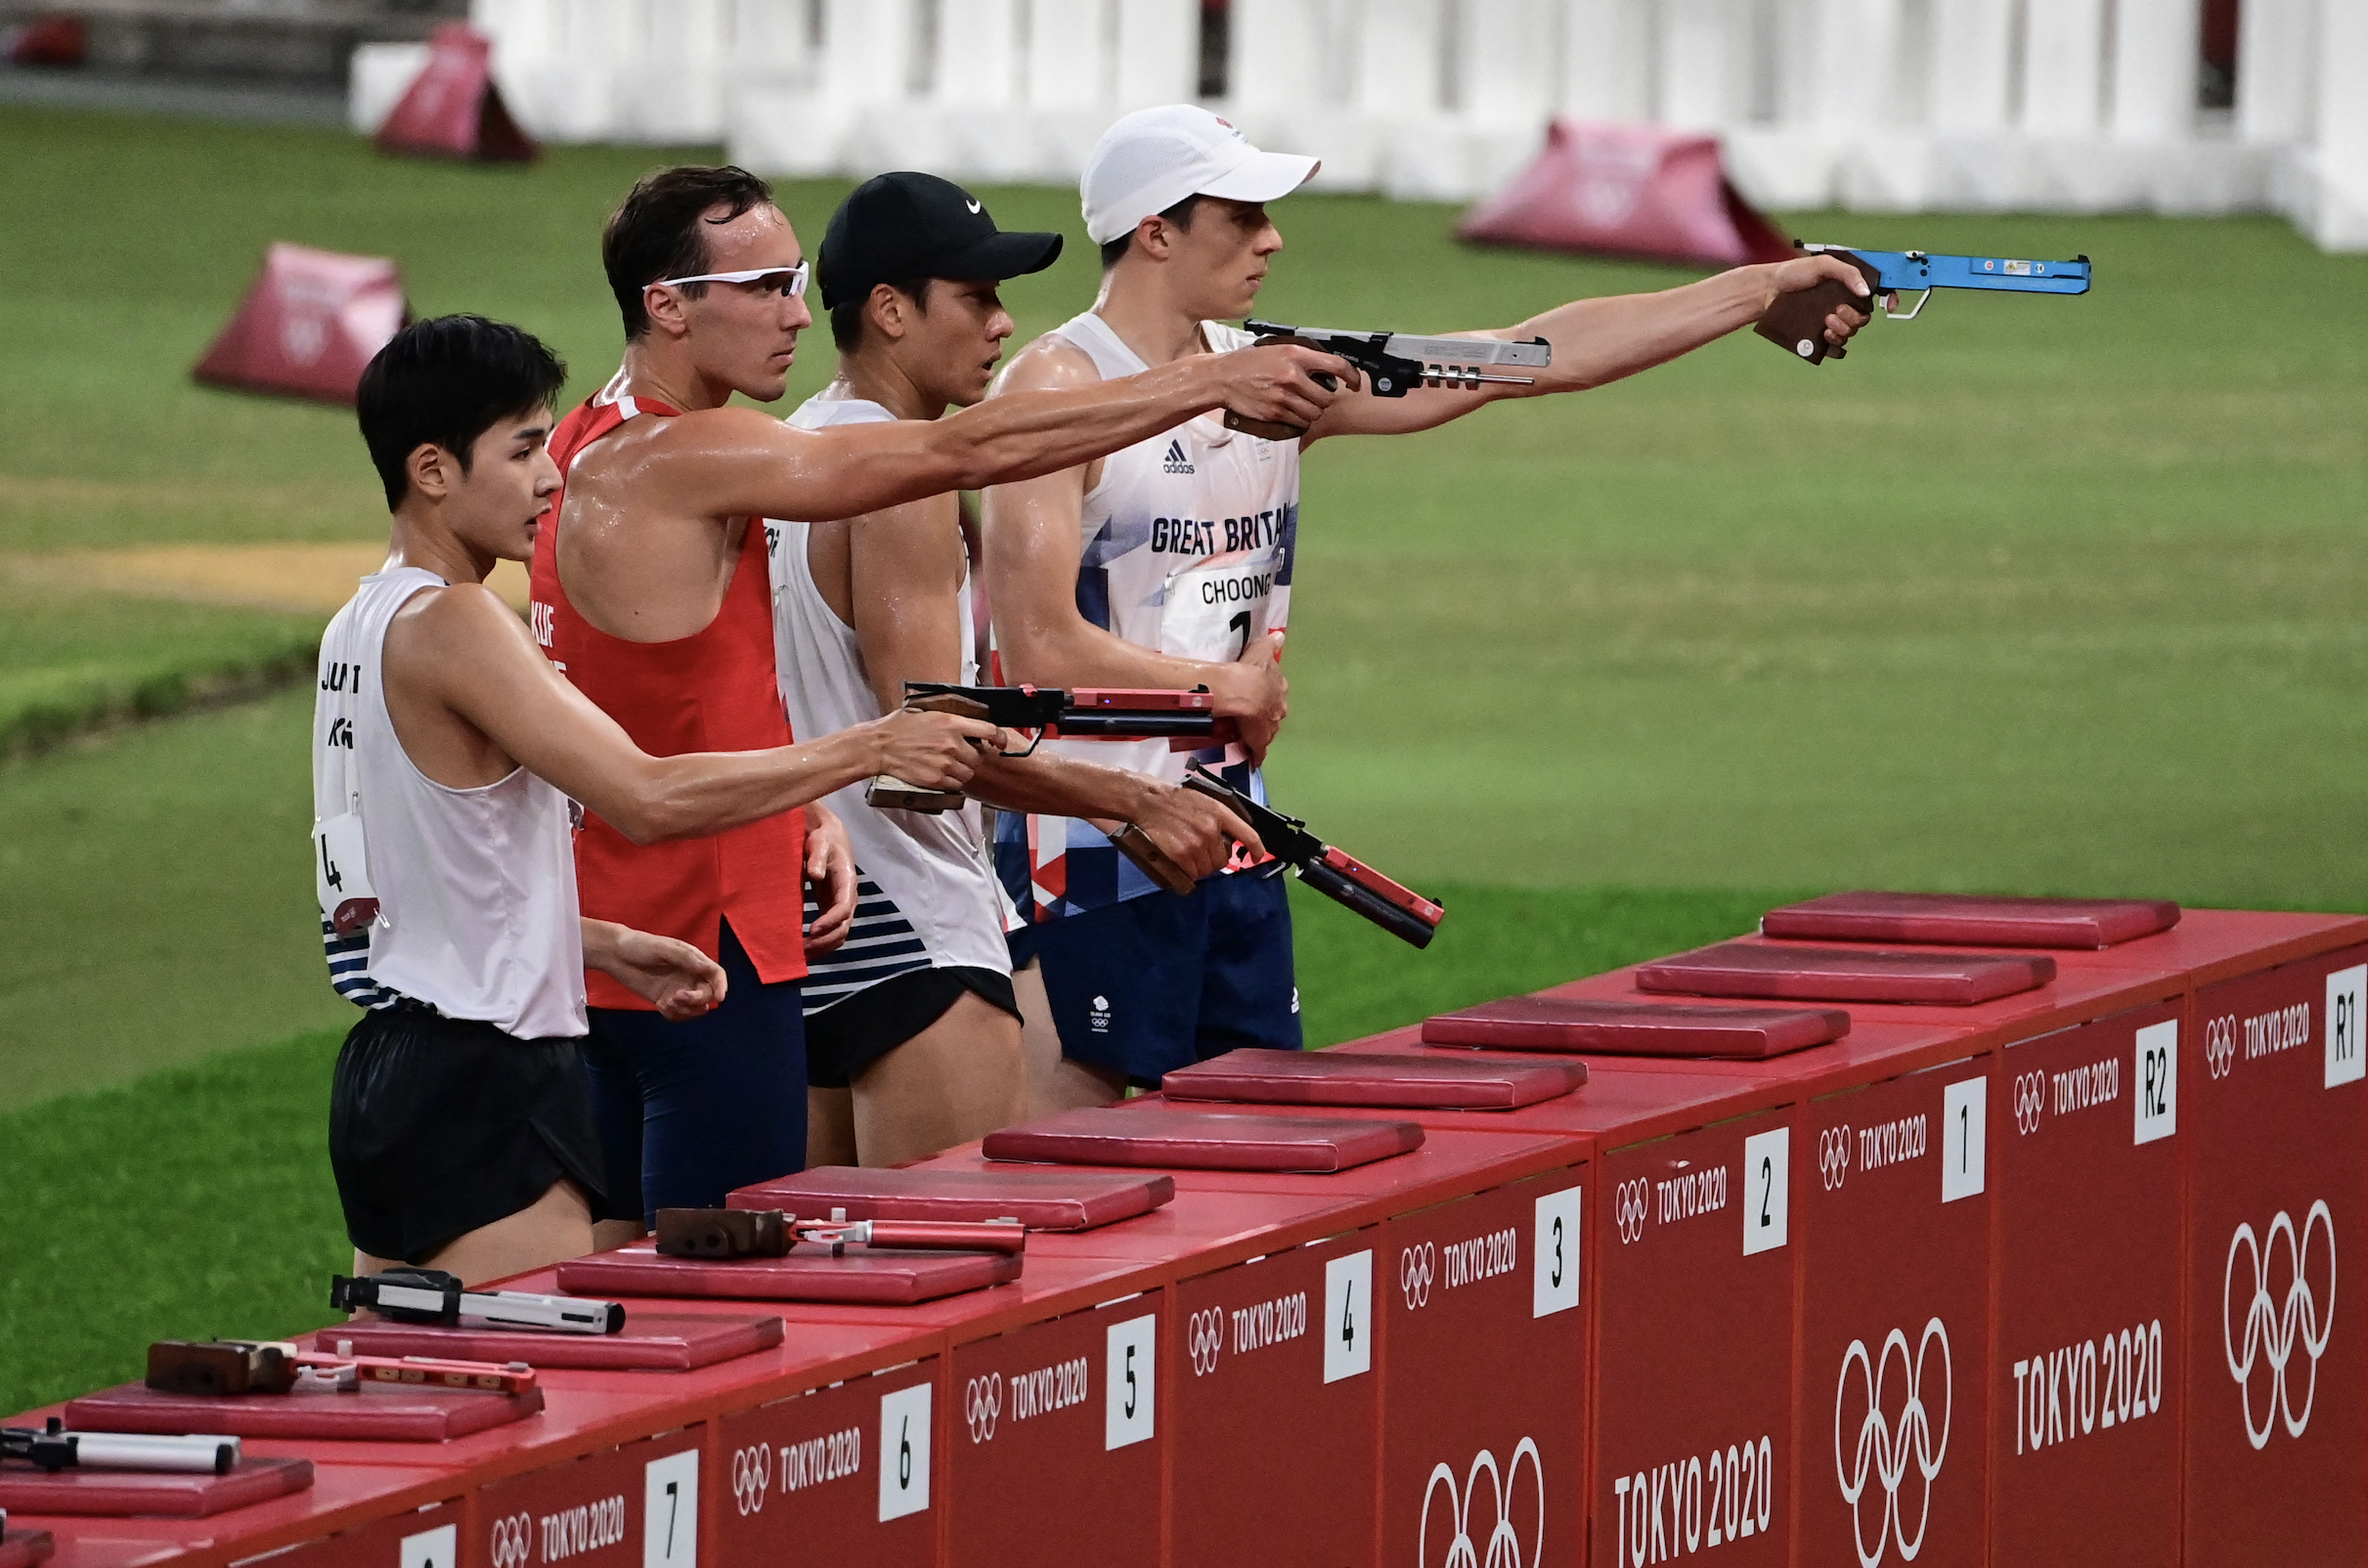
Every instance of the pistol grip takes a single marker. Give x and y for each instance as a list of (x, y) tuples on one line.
[(1263, 430), (947, 702), (1137, 845), (1796, 322), (1276, 429), (888, 792)]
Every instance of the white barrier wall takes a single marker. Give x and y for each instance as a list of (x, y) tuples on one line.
[(2074, 106)]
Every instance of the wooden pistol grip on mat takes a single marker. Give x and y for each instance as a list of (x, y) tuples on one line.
[(1137, 845), (1276, 429), (1796, 322), (889, 791)]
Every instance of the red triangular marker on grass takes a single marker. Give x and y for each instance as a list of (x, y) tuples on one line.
[(308, 326), (1627, 191), (452, 109)]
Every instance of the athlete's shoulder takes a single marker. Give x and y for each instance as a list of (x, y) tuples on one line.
[(1222, 338), (454, 609), (1050, 363)]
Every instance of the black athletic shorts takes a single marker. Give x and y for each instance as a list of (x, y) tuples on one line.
[(440, 1126), (852, 1034)]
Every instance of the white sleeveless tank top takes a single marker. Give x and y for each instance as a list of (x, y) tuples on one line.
[(925, 891), (476, 888), (1187, 545)]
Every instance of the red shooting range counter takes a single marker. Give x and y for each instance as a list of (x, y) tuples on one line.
[(422, 1538), (1486, 1341), (1694, 1381), (600, 1424), (2084, 1129), (1273, 1365), (1891, 1217), (2275, 1117)]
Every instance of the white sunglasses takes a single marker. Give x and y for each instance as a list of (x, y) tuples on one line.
[(791, 284)]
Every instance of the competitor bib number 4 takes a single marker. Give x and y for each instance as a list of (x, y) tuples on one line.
[(341, 874)]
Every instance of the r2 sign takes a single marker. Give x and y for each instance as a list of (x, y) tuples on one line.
[(2157, 1080)]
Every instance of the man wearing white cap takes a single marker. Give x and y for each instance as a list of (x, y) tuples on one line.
[(1169, 564)]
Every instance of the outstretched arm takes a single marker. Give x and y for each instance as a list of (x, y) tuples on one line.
[(1033, 550), (1600, 341), (738, 462), (463, 676)]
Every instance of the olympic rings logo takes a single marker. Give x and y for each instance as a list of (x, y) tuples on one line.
[(513, 1541), (982, 1402), (1204, 1337), (1628, 1205), (2219, 1046), (2275, 1328), (1503, 1543), (2030, 1099), (1884, 1448), (1833, 1157), (1415, 1266), (752, 1476)]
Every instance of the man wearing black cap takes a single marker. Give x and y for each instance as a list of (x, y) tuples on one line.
[(649, 591), (913, 1039)]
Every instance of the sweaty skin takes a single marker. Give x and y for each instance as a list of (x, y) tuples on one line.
[(655, 513), (473, 700), (1173, 278), (894, 576)]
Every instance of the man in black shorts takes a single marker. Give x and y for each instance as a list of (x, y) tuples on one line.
[(914, 1038), (445, 751)]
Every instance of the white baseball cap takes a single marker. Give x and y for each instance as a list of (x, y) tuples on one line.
[(1155, 157)]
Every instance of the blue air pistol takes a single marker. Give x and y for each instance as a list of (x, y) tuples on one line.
[(1797, 321)]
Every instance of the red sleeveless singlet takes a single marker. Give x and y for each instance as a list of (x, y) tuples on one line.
[(712, 691)]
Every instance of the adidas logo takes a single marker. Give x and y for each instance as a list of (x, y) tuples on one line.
[(1177, 462)]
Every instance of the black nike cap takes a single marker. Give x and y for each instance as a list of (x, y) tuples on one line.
[(893, 228)]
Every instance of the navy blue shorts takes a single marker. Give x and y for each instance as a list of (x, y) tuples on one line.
[(1153, 984), (687, 1111)]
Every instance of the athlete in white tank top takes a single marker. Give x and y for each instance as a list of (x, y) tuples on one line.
[(925, 895), (1186, 547), (476, 888)]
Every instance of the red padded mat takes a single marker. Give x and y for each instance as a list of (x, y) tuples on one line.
[(1971, 920), (652, 1342), (1200, 1140), (169, 1496), (22, 1548), (1040, 1200), (1347, 1078), (1846, 973), (863, 1276), (1635, 1028), (384, 1415)]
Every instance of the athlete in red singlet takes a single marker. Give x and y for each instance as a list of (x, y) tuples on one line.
[(649, 587)]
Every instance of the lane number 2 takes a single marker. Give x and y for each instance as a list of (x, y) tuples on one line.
[(1766, 1190)]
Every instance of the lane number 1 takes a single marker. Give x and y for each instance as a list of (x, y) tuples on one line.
[(1964, 1137)]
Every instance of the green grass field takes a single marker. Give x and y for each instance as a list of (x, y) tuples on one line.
[(2032, 595)]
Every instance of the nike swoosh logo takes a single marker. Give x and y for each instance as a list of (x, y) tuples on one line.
[(973, 206)]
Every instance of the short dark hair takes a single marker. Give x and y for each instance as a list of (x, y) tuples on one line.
[(445, 381), (847, 317), (1180, 215), (656, 232)]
